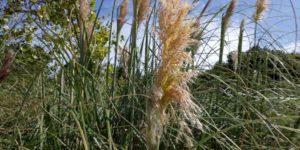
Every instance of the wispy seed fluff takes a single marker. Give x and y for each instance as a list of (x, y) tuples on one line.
[(261, 6), (171, 83), (122, 14)]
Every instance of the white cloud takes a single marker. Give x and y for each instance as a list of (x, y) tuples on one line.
[(208, 52), (290, 47)]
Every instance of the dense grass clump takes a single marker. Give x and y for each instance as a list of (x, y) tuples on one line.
[(70, 79)]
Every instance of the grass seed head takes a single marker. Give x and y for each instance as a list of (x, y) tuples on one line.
[(261, 6), (143, 10), (122, 14), (171, 84), (229, 13)]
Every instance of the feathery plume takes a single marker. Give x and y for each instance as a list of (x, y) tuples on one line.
[(261, 6), (5, 68), (143, 10), (122, 14), (229, 13), (186, 133), (171, 83)]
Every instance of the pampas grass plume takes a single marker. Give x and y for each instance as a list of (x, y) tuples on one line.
[(171, 83), (122, 14), (143, 10), (229, 13), (261, 6)]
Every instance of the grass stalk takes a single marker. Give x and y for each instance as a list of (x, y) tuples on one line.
[(224, 26), (81, 131), (109, 44), (240, 46), (222, 41)]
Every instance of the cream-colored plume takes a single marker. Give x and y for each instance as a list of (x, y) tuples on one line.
[(171, 83)]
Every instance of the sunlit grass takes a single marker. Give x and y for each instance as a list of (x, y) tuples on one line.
[(146, 90)]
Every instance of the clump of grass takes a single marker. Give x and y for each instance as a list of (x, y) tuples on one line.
[(171, 81), (76, 111)]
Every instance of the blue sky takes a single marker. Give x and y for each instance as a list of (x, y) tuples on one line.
[(278, 23), (279, 15)]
